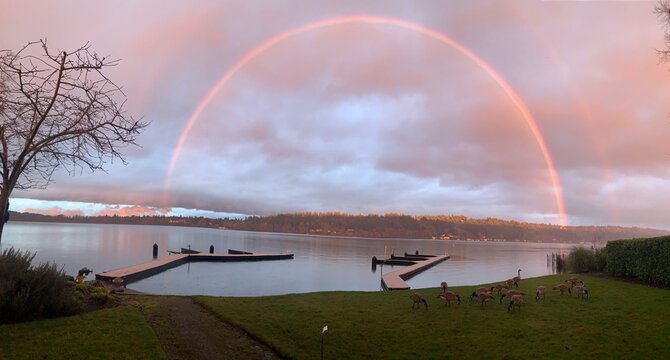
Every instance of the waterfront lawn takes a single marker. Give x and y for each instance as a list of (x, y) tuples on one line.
[(619, 320), (114, 333)]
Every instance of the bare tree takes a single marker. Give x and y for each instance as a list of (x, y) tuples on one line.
[(662, 11), (58, 110)]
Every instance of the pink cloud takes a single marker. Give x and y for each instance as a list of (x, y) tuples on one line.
[(118, 210), (55, 211)]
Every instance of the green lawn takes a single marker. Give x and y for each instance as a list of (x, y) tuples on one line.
[(116, 333), (620, 320)]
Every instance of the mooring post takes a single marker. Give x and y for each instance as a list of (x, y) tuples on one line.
[(211, 249), (155, 250)]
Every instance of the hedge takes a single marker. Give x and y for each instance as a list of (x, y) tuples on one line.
[(644, 259)]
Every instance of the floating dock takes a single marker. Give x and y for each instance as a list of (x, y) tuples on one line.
[(395, 280), (138, 272)]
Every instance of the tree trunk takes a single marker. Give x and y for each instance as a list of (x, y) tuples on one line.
[(4, 212), (2, 226)]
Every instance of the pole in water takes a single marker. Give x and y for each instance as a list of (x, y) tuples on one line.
[(211, 249), (155, 250)]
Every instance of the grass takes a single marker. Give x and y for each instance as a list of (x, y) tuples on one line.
[(114, 333), (620, 320)]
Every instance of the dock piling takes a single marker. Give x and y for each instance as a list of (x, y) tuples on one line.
[(155, 250)]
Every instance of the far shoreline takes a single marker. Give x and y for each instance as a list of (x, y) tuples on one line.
[(321, 236), (372, 226)]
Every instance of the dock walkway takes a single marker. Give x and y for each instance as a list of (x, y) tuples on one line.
[(395, 279), (138, 272)]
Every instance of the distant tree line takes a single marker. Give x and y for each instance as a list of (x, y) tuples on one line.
[(447, 227), (450, 227)]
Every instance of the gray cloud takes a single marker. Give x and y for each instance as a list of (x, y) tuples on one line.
[(373, 118)]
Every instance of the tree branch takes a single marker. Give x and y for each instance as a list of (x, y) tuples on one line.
[(81, 122)]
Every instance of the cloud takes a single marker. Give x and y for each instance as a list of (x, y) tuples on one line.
[(119, 210), (374, 118), (54, 211)]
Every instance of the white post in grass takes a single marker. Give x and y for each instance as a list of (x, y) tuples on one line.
[(323, 332)]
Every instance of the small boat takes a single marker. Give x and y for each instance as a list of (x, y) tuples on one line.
[(409, 258), (393, 261), (419, 255), (238, 252), (189, 251)]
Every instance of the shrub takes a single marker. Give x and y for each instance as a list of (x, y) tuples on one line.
[(100, 295), (29, 292), (644, 259), (79, 296), (97, 283), (82, 288), (581, 260), (600, 258)]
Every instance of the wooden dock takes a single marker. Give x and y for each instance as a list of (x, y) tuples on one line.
[(395, 280), (138, 272), (238, 257)]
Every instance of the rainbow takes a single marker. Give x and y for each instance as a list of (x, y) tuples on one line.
[(366, 19)]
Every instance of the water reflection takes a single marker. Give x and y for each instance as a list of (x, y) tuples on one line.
[(320, 263), (557, 262)]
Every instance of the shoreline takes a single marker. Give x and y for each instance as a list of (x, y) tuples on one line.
[(310, 235)]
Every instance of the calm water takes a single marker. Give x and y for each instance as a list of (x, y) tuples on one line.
[(320, 264)]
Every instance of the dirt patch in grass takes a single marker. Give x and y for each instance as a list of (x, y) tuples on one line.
[(188, 331)]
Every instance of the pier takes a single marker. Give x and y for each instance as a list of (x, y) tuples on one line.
[(138, 272), (395, 280)]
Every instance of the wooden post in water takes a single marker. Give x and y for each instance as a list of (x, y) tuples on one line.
[(211, 249), (155, 250)]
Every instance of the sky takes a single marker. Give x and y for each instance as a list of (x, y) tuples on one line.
[(540, 111)]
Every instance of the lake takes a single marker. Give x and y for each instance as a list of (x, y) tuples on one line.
[(320, 263)]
